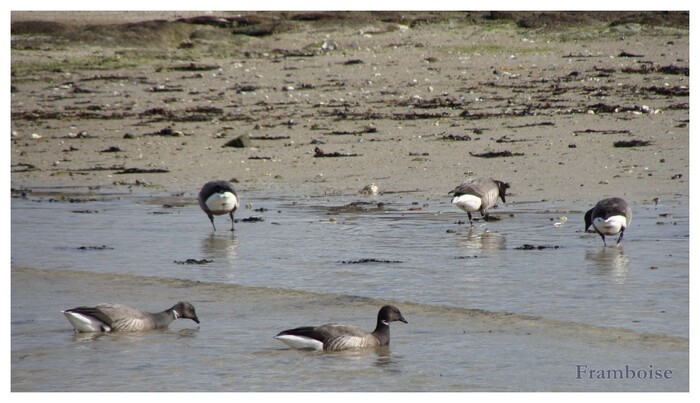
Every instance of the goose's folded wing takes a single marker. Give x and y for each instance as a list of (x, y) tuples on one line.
[(122, 317)]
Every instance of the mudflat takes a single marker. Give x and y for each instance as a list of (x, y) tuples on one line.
[(563, 106)]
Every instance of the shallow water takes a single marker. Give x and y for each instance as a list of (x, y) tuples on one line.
[(483, 314)]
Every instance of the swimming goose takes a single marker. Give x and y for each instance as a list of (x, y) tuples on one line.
[(122, 318), (479, 194), (608, 217), (334, 337), (218, 198)]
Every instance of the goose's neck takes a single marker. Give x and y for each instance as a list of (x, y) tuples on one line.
[(165, 318), (381, 332)]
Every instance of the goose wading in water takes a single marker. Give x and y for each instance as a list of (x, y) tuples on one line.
[(332, 337), (609, 217), (122, 318), (218, 198), (479, 194)]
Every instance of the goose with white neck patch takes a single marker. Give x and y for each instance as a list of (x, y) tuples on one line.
[(479, 194), (332, 337), (122, 318), (609, 217), (218, 198)]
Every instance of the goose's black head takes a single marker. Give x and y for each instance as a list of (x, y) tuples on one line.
[(502, 186), (222, 188), (185, 310), (390, 313), (588, 219)]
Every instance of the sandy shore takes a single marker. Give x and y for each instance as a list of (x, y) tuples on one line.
[(569, 110)]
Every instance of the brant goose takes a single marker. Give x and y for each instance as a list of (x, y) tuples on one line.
[(334, 337), (122, 318), (608, 217), (218, 198), (478, 194)]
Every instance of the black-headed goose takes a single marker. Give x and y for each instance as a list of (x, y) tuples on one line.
[(334, 337), (609, 217), (122, 318), (218, 198), (479, 194)]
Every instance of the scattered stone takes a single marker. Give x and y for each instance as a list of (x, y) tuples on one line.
[(371, 189), (242, 141)]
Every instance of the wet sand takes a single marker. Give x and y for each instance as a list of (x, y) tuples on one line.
[(421, 100)]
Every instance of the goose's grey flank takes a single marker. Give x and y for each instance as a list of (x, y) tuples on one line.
[(479, 194), (609, 217), (332, 337), (218, 198), (122, 318)]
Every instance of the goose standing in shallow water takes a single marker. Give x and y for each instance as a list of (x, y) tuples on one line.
[(479, 194), (218, 198), (333, 337), (609, 217), (122, 318)]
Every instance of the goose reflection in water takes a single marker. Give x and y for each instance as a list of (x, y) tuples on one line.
[(216, 246), (486, 240), (609, 261)]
